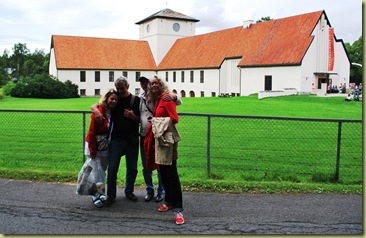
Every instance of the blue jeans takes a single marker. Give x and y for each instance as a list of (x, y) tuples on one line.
[(148, 175), (118, 148)]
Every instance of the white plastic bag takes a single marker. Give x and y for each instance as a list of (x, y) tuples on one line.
[(91, 178)]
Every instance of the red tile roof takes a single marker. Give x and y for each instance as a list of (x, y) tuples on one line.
[(276, 42), (73, 52)]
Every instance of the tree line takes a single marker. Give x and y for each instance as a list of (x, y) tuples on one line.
[(25, 74)]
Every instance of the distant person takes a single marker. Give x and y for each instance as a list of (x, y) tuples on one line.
[(146, 111), (124, 141), (166, 155), (348, 98), (100, 127)]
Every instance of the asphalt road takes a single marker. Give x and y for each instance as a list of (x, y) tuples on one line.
[(54, 208)]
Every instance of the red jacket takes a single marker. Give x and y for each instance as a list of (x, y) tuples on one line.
[(96, 129), (162, 109), (166, 109)]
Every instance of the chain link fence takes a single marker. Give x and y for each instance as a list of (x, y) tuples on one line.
[(49, 145)]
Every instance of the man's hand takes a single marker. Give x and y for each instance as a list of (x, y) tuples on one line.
[(129, 114), (97, 114), (170, 97)]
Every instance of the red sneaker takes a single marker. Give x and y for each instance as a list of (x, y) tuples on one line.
[(179, 218), (164, 208)]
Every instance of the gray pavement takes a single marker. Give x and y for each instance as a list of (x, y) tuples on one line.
[(54, 208)]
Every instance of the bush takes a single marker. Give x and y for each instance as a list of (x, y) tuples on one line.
[(7, 88), (44, 86), (1, 95)]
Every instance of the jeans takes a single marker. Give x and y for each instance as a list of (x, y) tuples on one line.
[(149, 174), (118, 148)]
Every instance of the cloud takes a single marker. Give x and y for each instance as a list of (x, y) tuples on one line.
[(34, 22)]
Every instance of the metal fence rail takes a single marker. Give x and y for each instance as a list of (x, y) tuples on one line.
[(247, 148)]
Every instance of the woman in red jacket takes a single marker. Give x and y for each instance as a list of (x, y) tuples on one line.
[(106, 103), (169, 174)]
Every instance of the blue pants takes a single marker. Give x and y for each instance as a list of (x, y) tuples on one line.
[(118, 148), (149, 174)]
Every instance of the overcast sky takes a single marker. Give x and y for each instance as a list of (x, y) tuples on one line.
[(33, 22)]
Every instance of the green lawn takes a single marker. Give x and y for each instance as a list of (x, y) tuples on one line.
[(38, 153), (305, 106)]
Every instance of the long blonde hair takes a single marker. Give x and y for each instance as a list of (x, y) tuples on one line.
[(163, 89)]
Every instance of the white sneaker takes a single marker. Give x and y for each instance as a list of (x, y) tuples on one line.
[(103, 198), (98, 203)]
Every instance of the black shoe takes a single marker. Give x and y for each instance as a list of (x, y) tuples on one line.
[(159, 198), (148, 197), (132, 197), (108, 202)]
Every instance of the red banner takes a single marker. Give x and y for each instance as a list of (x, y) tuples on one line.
[(331, 50)]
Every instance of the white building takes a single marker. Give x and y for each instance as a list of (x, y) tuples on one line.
[(299, 52)]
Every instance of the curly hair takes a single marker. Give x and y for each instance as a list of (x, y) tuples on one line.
[(163, 89)]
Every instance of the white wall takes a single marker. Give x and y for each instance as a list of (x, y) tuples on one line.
[(210, 85), (230, 77), (161, 35), (282, 77), (104, 85), (52, 66)]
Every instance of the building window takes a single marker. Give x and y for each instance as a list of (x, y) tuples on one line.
[(182, 76), (97, 76), (202, 76), (82, 76), (268, 83), (82, 92), (137, 91), (111, 76), (166, 76), (202, 93), (213, 94), (138, 75), (192, 77), (174, 77), (124, 74), (97, 92)]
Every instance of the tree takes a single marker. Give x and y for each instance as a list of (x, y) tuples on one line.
[(355, 55), (4, 76), (263, 19), (17, 59)]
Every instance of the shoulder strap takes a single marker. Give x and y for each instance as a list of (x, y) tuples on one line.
[(143, 99), (132, 100)]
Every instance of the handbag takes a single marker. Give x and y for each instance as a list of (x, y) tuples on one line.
[(102, 142)]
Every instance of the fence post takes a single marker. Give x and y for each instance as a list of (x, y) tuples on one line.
[(208, 145), (84, 128), (338, 150)]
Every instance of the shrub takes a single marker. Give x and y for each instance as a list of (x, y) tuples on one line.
[(44, 86), (7, 88), (1, 95)]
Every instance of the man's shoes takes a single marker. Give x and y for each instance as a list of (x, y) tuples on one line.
[(148, 197), (109, 201), (159, 197), (132, 197), (164, 208), (179, 219)]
